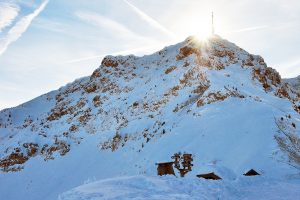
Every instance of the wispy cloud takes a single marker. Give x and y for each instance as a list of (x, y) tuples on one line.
[(109, 24), (19, 28), (8, 12), (51, 25), (100, 56), (150, 20), (253, 28)]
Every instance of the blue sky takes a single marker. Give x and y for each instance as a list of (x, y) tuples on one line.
[(45, 44)]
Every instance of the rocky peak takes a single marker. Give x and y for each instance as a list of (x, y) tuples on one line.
[(142, 92)]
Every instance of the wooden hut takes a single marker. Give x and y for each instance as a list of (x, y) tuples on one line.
[(165, 168), (211, 176), (251, 172)]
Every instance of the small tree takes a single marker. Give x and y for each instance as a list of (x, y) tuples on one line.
[(288, 140), (186, 160)]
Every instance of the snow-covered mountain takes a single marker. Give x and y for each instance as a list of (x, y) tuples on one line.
[(294, 82), (209, 98)]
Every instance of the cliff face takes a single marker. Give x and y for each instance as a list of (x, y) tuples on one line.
[(210, 98)]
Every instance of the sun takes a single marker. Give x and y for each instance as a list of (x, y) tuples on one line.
[(204, 30), (203, 35), (199, 25)]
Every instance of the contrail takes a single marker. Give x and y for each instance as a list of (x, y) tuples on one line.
[(150, 20), (254, 28), (20, 27)]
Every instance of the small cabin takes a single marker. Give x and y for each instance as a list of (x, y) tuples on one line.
[(251, 172), (211, 176), (165, 168)]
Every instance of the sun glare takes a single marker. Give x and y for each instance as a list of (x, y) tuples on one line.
[(200, 25), (206, 30), (203, 34), (201, 28)]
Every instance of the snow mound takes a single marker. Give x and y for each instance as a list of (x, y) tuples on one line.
[(171, 188)]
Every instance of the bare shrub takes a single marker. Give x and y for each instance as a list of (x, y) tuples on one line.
[(288, 140)]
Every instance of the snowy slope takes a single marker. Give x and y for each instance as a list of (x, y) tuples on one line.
[(212, 99)]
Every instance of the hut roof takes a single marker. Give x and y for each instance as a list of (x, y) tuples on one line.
[(251, 172), (211, 175), (164, 163)]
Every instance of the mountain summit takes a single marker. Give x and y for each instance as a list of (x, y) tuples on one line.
[(210, 98)]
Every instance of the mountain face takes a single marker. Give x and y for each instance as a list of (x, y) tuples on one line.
[(209, 98), (294, 82)]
